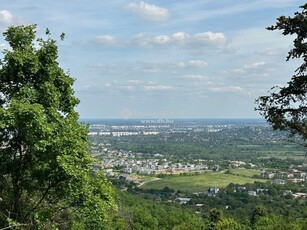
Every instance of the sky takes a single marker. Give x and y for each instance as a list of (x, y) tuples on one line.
[(164, 58)]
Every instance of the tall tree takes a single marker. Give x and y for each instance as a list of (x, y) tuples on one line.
[(46, 172), (258, 212), (286, 107)]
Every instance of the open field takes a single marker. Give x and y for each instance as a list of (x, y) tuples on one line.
[(143, 179), (199, 183), (245, 172), (295, 156)]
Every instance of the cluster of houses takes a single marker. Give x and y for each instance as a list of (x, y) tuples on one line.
[(156, 166), (298, 195), (251, 192), (122, 133), (129, 162), (214, 191), (292, 176), (257, 191)]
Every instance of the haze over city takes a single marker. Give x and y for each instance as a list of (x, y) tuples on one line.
[(164, 59)]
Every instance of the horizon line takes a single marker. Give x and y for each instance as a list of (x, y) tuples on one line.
[(242, 118)]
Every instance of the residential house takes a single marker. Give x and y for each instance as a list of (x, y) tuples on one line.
[(252, 193), (183, 200), (267, 175)]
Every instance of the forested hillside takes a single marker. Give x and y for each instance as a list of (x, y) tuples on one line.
[(59, 173)]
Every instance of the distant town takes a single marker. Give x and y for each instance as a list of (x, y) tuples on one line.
[(203, 164), (116, 161)]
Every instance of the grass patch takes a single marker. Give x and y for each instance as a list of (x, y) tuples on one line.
[(143, 179), (199, 183), (244, 172), (249, 146)]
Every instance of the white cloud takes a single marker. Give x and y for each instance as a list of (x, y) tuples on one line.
[(158, 87), (143, 39), (238, 71), (204, 38), (147, 86), (209, 37), (254, 65), (106, 40), (230, 89), (5, 16), (161, 39), (180, 38), (195, 77), (193, 63), (134, 86), (149, 11)]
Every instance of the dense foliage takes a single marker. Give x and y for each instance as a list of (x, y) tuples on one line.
[(46, 172), (232, 208), (138, 213), (233, 143), (285, 108)]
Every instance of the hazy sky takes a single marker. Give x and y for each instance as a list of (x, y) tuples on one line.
[(164, 58)]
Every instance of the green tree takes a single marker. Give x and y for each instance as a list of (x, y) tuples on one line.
[(258, 211), (230, 224), (46, 172), (142, 219), (275, 222), (286, 107), (215, 216)]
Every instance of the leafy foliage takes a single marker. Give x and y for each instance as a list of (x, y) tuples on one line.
[(231, 224), (286, 107), (46, 172), (138, 213)]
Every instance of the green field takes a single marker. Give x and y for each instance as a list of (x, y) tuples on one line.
[(245, 172), (298, 155), (199, 183)]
